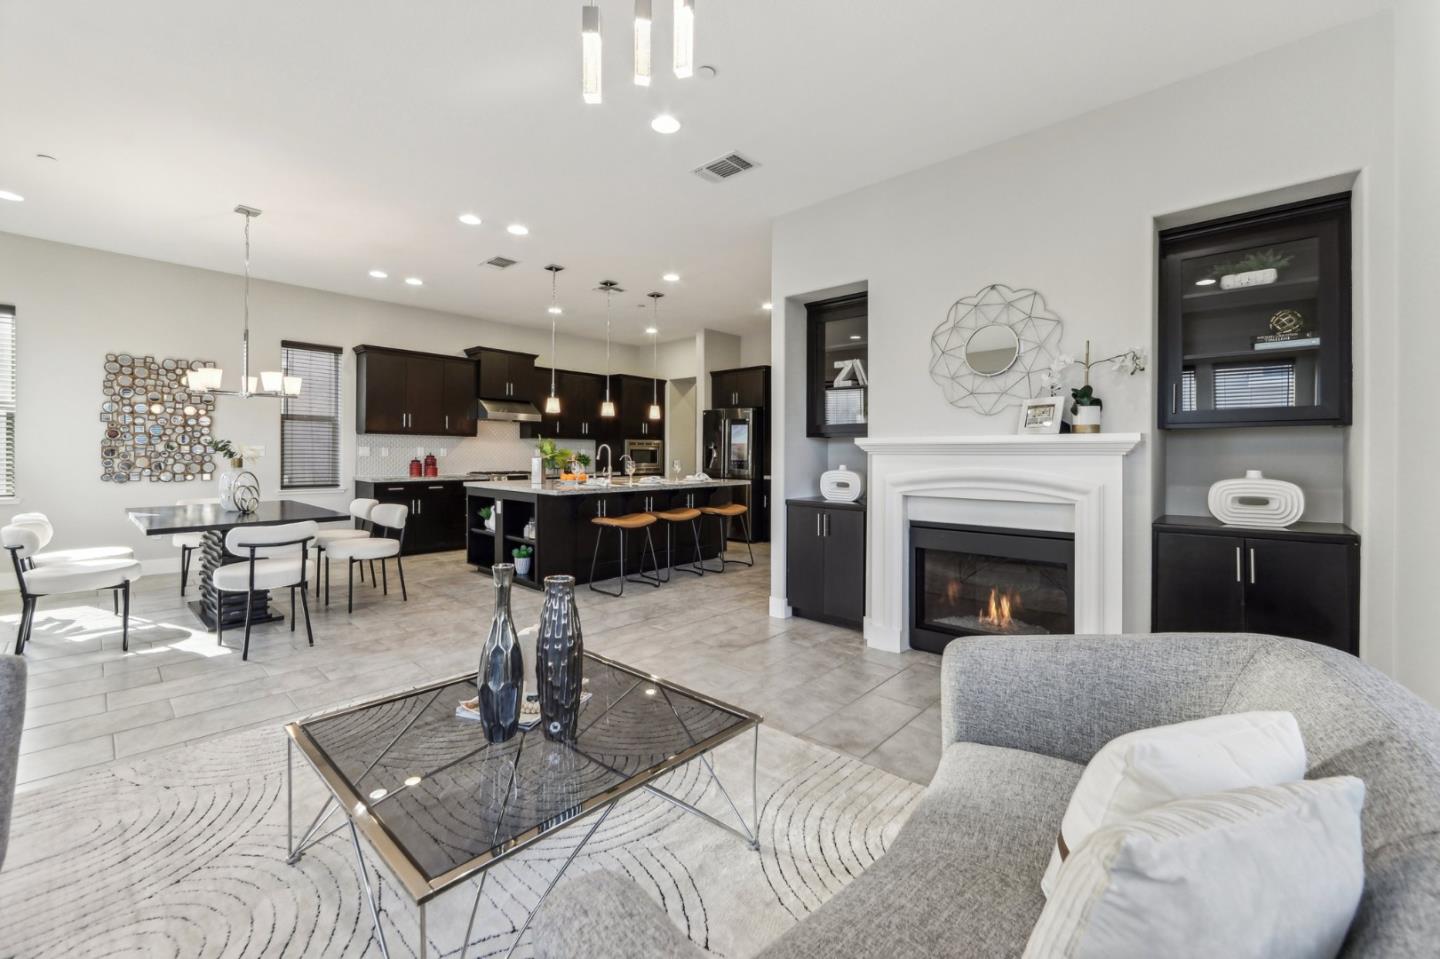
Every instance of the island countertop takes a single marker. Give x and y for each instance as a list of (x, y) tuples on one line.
[(523, 487)]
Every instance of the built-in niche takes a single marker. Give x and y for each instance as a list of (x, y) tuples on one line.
[(837, 380)]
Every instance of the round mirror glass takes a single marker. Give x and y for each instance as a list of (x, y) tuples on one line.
[(991, 350)]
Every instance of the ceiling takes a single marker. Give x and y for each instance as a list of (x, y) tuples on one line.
[(364, 127)]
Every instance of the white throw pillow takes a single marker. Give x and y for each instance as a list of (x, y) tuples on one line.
[(1134, 772), (1269, 872)]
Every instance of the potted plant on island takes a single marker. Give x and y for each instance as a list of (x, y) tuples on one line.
[(487, 516), (523, 555)]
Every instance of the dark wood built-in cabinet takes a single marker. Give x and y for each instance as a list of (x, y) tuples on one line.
[(741, 388), (437, 511), (1255, 319), (405, 392), (837, 364), (825, 560), (504, 374), (1302, 582)]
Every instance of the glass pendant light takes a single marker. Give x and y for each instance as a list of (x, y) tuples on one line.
[(643, 20), (655, 412), (607, 407), (684, 38), (590, 53), (552, 402)]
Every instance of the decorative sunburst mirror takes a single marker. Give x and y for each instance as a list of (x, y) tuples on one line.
[(991, 350)]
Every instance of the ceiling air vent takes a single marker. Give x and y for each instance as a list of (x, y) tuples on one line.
[(724, 168), (501, 262)]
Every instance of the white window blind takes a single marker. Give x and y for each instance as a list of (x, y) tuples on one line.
[(1187, 390), (310, 422), (845, 407), (1249, 385), (7, 400)]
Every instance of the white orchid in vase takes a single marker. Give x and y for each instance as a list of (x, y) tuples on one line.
[(1085, 405)]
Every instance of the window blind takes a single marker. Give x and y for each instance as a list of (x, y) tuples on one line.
[(1187, 390), (845, 407), (1249, 385), (7, 400), (310, 422)]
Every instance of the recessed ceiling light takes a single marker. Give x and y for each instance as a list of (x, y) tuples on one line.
[(518, 229), (665, 123), (651, 331), (555, 311), (469, 219), (379, 274), (414, 281), (767, 307), (1208, 281), (12, 197), (671, 277)]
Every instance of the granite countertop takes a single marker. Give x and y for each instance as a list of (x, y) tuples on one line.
[(523, 486), (442, 478)]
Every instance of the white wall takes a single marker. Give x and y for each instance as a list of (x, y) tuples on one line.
[(755, 345), (74, 305), (1070, 211)]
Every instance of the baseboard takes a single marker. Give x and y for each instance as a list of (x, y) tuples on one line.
[(779, 609), (148, 567), (882, 636)]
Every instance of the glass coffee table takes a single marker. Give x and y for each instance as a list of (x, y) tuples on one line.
[(440, 806)]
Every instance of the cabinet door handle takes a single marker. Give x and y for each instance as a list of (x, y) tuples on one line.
[(817, 524), (447, 421), (827, 525), (1174, 397), (1238, 578), (435, 487), (1252, 566)]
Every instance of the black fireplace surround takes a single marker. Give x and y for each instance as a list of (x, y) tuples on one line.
[(984, 581)]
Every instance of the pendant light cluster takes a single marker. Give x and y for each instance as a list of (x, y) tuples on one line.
[(272, 383), (655, 412), (591, 45), (552, 402)]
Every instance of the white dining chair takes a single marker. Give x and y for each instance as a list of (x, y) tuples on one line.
[(276, 557), (188, 543), (50, 557), (386, 518), (360, 509), (76, 576)]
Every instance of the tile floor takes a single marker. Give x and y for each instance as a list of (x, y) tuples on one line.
[(89, 703)]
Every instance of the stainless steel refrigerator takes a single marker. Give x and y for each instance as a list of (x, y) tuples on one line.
[(735, 446)]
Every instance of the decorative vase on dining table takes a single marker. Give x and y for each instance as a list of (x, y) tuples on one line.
[(239, 488), (501, 677), (559, 662)]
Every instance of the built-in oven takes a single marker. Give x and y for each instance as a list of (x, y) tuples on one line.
[(648, 456)]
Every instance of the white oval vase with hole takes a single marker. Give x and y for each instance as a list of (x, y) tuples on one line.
[(842, 485), (1256, 502)]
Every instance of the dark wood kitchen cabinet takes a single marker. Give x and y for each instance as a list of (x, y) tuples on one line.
[(747, 386), (1302, 582), (437, 512), (825, 561), (635, 396), (504, 374), (405, 392)]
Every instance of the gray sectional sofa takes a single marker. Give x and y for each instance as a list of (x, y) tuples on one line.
[(1021, 718)]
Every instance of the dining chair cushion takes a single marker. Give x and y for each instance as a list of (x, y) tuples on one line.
[(327, 536), (187, 540), (239, 540), (269, 574), (390, 515), (81, 576), (378, 547), (360, 508), (54, 557)]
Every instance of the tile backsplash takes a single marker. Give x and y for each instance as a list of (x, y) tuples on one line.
[(496, 446)]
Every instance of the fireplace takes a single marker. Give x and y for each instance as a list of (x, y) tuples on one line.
[(980, 580)]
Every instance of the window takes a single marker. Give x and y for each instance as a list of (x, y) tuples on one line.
[(1247, 385), (310, 422), (7, 400)]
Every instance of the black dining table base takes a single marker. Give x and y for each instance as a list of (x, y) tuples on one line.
[(214, 606)]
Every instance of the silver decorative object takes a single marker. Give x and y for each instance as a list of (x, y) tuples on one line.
[(153, 426), (501, 678), (239, 490), (982, 379), (559, 660), (1256, 502)]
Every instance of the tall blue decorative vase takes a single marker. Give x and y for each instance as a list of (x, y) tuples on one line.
[(559, 660), (502, 666)]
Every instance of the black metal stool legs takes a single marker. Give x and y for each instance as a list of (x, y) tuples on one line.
[(695, 567), (653, 577), (595, 557)]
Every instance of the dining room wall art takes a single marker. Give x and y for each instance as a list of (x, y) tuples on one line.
[(153, 427)]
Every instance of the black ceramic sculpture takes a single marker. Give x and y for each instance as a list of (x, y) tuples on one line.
[(502, 666), (558, 660)]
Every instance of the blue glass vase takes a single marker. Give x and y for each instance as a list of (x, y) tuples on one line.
[(502, 666), (559, 660)]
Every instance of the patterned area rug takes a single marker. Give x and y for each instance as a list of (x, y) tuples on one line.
[(183, 854)]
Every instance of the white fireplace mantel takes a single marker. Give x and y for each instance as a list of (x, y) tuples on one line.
[(1080, 475)]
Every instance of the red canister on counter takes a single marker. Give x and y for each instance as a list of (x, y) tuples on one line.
[(432, 467), (415, 468)]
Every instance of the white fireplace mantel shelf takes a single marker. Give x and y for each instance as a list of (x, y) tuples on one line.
[(1011, 481)]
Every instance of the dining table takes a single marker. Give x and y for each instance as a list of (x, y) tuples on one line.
[(214, 521)]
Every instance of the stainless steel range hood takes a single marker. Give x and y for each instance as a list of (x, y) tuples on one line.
[(506, 411)]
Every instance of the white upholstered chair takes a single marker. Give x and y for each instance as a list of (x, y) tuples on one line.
[(188, 543), (386, 518), (276, 558), (78, 575), (50, 557), (360, 509)]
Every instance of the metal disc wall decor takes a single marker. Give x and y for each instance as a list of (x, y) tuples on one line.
[(1022, 311), (153, 426)]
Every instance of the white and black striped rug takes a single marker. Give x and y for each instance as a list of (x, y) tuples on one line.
[(182, 854)]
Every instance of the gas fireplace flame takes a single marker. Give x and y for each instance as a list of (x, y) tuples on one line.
[(996, 613)]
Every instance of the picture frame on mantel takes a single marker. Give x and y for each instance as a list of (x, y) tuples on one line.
[(1041, 416)]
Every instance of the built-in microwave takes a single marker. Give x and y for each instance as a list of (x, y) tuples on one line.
[(649, 456)]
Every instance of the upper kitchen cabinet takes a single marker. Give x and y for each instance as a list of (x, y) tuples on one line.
[(746, 387), (504, 374), (405, 392), (635, 396), (1255, 319), (837, 361)]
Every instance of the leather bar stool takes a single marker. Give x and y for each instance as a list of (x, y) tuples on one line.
[(672, 518), (726, 514), (622, 525)]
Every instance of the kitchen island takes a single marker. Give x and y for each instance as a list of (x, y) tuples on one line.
[(564, 536)]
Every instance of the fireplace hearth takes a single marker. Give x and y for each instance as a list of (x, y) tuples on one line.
[(986, 581)]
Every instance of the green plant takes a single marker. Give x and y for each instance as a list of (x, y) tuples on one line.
[(1085, 396), (523, 552), (583, 460), (556, 457), (1257, 260), (485, 512), (223, 447)]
